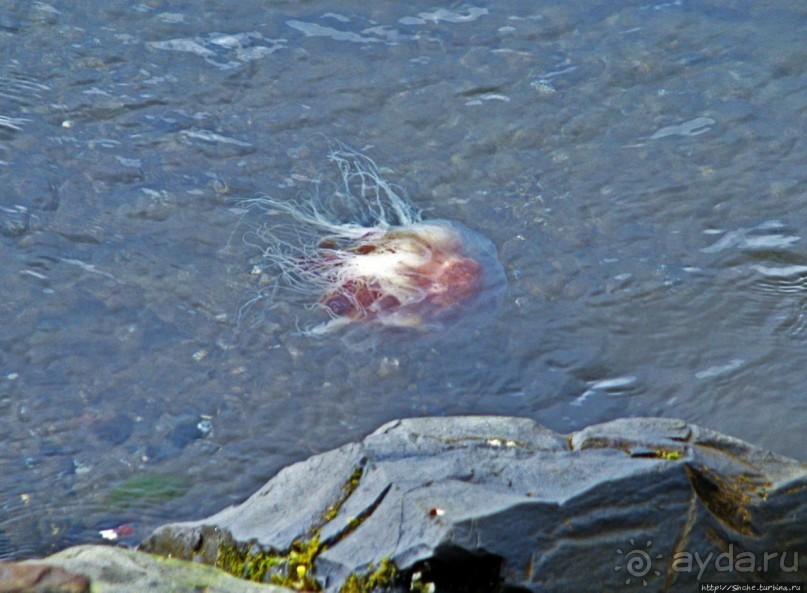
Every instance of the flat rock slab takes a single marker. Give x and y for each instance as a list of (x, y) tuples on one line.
[(118, 570), (504, 504)]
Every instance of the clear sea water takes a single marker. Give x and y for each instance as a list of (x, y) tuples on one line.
[(640, 167)]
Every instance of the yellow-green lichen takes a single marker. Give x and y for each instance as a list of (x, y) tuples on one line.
[(666, 454), (245, 563), (300, 566), (348, 488), (669, 455), (294, 569), (374, 579)]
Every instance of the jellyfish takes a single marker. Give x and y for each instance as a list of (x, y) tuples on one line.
[(361, 252)]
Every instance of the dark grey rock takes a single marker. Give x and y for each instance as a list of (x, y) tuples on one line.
[(503, 504)]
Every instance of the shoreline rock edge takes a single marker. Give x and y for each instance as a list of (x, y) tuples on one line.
[(486, 503)]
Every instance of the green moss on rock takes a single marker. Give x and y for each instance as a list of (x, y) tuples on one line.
[(299, 566), (374, 579), (295, 568), (348, 488)]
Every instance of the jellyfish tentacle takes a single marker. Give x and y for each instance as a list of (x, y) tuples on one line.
[(365, 253)]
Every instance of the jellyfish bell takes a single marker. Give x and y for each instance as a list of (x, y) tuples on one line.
[(408, 276), (364, 256)]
